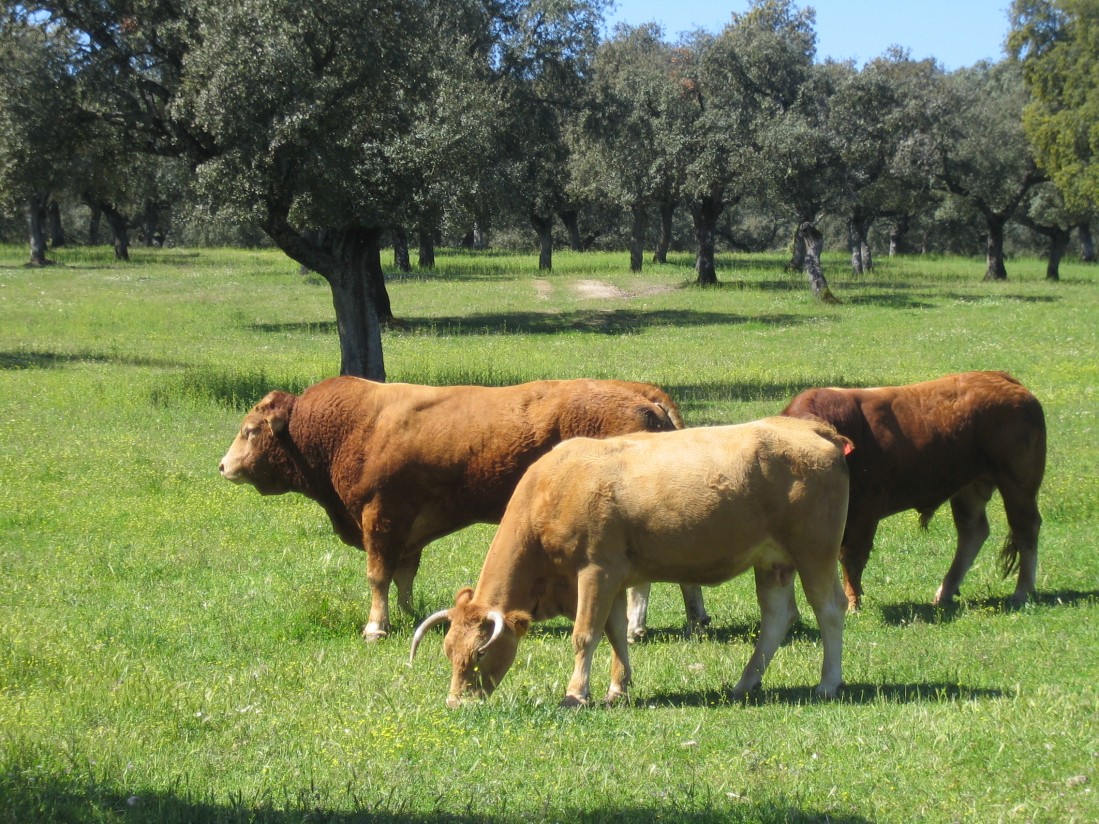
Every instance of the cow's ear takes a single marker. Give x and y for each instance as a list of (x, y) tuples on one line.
[(463, 597), (276, 408), (277, 419), (518, 621)]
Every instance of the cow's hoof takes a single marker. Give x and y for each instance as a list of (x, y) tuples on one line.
[(371, 634), (823, 693), (616, 697), (635, 636), (570, 701), (1016, 601)]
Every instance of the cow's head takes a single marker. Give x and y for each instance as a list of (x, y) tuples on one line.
[(480, 644), (257, 456)]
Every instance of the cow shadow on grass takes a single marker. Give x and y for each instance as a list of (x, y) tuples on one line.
[(911, 612), (932, 692), (721, 633)]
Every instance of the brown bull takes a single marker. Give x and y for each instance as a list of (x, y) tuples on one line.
[(396, 466), (957, 439), (698, 506)]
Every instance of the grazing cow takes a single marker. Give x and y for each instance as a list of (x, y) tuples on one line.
[(396, 466), (954, 439), (699, 506)]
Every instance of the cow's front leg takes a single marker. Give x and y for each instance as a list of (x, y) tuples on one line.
[(968, 507), (620, 650), (596, 593), (638, 608), (775, 593), (380, 570)]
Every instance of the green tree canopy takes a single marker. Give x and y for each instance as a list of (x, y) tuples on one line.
[(1057, 42)]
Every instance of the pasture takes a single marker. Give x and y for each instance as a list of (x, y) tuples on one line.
[(174, 648)]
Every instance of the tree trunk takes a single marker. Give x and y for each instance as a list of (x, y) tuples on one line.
[(995, 242), (120, 231), (797, 255), (897, 232), (57, 231), (858, 230), (151, 233), (571, 219), (812, 243), (640, 223), (360, 300), (1058, 244), (544, 227), (667, 209), (427, 248), (1087, 244), (93, 225), (400, 250), (350, 260), (36, 220), (704, 215)]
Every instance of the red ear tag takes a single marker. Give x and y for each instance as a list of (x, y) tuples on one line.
[(848, 448)]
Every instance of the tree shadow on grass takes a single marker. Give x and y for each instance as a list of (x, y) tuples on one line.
[(14, 360), (910, 612), (999, 298), (598, 321), (37, 799)]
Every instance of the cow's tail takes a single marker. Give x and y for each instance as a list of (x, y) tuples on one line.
[(926, 515), (1009, 555)]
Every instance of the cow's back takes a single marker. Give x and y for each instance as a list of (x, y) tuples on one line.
[(690, 504), (461, 450), (916, 445)]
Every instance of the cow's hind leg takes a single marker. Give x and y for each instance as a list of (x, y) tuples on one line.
[(404, 575), (774, 591), (637, 610), (1021, 547), (828, 600), (620, 652), (968, 506), (858, 540)]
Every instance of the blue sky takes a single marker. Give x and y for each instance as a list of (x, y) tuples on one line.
[(957, 33)]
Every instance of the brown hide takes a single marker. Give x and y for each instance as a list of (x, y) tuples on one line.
[(954, 439), (396, 466), (698, 506)]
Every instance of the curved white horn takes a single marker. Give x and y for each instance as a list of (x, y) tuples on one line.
[(422, 629), (497, 619)]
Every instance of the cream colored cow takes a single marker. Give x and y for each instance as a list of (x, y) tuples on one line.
[(696, 506)]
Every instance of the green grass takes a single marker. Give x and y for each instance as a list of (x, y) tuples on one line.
[(173, 648)]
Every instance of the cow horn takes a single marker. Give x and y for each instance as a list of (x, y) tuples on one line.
[(497, 619), (422, 629)]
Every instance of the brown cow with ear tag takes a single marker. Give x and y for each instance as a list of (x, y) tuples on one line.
[(396, 465)]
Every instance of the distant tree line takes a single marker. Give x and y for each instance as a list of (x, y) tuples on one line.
[(334, 128)]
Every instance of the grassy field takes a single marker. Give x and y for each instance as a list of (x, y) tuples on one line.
[(174, 648)]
